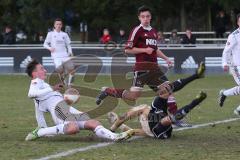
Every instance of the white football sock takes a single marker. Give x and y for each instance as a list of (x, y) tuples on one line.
[(232, 91), (70, 78), (55, 130), (102, 132), (171, 99), (238, 108)]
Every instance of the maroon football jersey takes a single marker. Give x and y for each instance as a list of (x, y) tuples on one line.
[(141, 37)]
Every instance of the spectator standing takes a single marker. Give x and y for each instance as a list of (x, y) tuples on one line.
[(220, 24), (83, 31), (9, 36), (69, 15)]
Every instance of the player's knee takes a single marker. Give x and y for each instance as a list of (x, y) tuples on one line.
[(71, 128), (166, 121), (140, 109), (134, 95), (91, 124), (137, 95), (145, 108)]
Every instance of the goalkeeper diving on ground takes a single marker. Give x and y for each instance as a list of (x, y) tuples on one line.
[(155, 120)]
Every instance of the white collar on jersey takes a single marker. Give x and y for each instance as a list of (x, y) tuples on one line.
[(37, 80), (147, 28), (56, 31)]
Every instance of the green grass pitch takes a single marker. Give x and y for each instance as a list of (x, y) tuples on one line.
[(213, 142)]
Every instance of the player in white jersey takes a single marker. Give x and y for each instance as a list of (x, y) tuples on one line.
[(231, 61), (59, 44), (49, 99)]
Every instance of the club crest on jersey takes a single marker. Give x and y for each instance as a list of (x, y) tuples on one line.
[(152, 42)]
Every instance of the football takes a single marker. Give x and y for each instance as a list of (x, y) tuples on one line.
[(71, 96)]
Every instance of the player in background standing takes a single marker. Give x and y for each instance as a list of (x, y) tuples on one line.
[(48, 99), (59, 44), (231, 61), (142, 43)]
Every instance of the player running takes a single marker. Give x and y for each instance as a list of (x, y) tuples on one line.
[(231, 60), (49, 99), (142, 43), (59, 44), (155, 120)]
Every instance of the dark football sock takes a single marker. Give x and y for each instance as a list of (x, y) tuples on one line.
[(181, 113), (114, 92), (179, 84)]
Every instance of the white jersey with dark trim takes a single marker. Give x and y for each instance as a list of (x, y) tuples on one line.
[(60, 41), (231, 52), (44, 95)]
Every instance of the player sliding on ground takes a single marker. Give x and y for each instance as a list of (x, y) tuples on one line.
[(49, 99), (154, 119)]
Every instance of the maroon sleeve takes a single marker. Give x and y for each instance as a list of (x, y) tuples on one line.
[(133, 38), (156, 35)]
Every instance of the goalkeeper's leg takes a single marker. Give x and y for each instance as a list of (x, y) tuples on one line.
[(112, 117), (179, 84), (134, 112), (181, 113)]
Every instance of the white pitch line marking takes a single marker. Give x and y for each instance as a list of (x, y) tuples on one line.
[(208, 124), (105, 144), (76, 150)]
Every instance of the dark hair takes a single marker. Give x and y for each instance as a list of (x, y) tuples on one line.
[(143, 9), (58, 19), (31, 67), (238, 16), (8, 26), (174, 31)]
